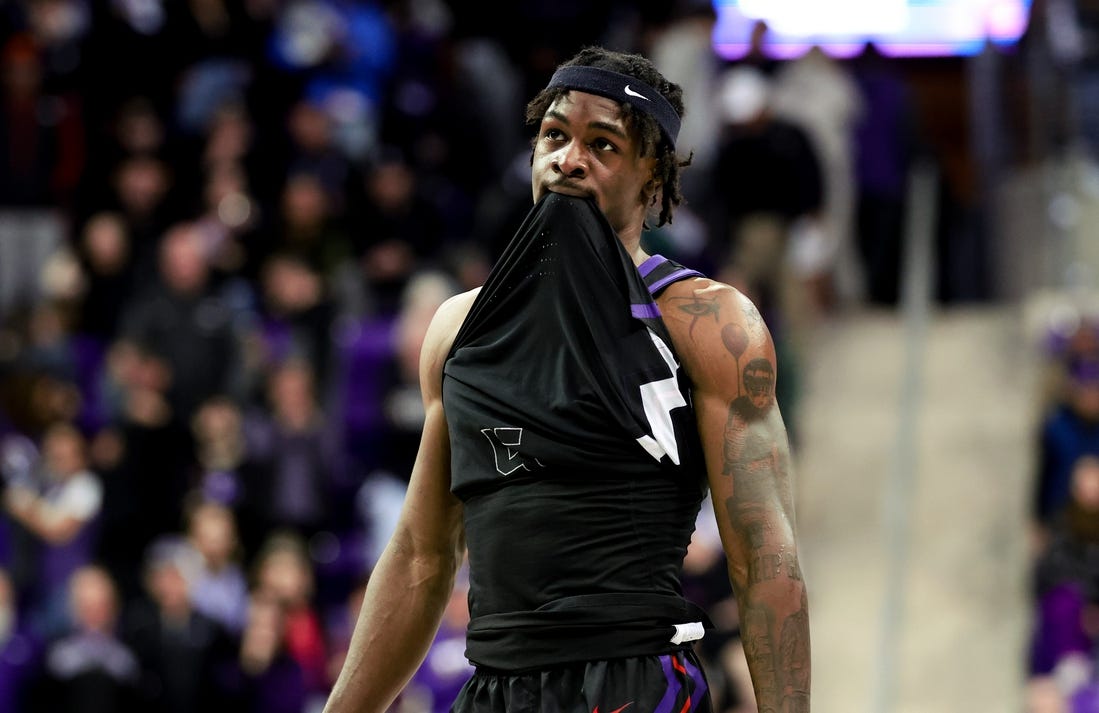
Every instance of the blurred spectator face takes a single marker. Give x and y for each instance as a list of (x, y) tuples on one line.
[(168, 587), (422, 297), (106, 243), (63, 448), (304, 203), (122, 360), (262, 637), (47, 325), (291, 391), (1084, 388), (61, 277), (106, 450), (1044, 696), (141, 183), (138, 128), (54, 399), (182, 260), (286, 575), (290, 286), (1084, 340), (1085, 483), (93, 602), (217, 419), (142, 379), (56, 22), (213, 533), (20, 68), (230, 135), (151, 373), (390, 185), (310, 127), (219, 437)]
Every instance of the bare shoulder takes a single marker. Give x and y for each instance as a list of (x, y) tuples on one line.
[(440, 337), (720, 336)]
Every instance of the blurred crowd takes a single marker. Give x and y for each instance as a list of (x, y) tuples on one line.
[(1063, 659), (224, 227)]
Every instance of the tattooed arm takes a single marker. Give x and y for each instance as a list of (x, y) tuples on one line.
[(728, 353)]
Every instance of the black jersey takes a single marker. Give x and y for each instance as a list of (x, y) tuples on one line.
[(574, 449)]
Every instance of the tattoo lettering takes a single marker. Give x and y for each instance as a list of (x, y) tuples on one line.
[(770, 566)]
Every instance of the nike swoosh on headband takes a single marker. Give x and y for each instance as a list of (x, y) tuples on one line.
[(620, 87)]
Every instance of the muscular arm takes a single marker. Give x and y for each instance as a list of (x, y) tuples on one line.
[(413, 579), (728, 352)]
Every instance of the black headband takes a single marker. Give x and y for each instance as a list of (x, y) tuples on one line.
[(623, 88)]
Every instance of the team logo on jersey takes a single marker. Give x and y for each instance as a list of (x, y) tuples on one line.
[(660, 398), (505, 444)]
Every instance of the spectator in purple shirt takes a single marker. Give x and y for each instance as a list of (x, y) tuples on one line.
[(218, 588), (59, 512)]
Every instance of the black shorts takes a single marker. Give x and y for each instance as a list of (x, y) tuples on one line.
[(672, 683)]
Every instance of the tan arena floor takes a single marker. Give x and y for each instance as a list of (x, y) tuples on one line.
[(961, 617)]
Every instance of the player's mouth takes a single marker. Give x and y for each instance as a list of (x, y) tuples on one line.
[(568, 188)]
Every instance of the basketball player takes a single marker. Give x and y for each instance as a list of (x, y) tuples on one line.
[(579, 406)]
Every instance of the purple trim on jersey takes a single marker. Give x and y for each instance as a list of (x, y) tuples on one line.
[(668, 701), (649, 310), (669, 279), (651, 264)]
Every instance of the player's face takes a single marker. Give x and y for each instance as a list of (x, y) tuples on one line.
[(585, 148)]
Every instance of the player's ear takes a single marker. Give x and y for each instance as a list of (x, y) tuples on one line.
[(651, 191)]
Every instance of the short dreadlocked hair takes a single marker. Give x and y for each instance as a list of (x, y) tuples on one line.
[(653, 141)]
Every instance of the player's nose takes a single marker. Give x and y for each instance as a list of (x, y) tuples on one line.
[(570, 160)]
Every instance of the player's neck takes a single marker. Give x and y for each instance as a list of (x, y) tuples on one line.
[(637, 254), (631, 240)]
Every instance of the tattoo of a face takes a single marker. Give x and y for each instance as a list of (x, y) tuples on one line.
[(697, 308), (759, 382), (759, 620)]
